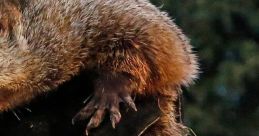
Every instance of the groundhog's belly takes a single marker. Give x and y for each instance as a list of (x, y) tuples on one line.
[(11, 99), (4, 98)]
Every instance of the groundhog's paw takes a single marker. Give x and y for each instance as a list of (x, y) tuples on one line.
[(101, 102)]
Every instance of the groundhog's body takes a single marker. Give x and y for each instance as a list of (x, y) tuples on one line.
[(129, 43)]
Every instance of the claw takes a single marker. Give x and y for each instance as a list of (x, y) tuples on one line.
[(73, 121), (113, 123), (115, 114), (96, 119), (84, 113), (133, 106), (92, 124), (115, 118), (130, 102), (86, 132)]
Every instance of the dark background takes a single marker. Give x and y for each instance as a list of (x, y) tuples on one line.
[(225, 34), (223, 102)]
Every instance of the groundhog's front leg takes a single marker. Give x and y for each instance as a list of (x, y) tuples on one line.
[(110, 90)]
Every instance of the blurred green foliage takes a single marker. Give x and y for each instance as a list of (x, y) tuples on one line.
[(225, 34)]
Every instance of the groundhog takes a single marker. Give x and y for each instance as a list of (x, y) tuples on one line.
[(134, 47)]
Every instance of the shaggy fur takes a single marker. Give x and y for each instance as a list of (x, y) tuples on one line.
[(44, 43)]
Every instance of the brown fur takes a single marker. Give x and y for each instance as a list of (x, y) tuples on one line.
[(43, 43)]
